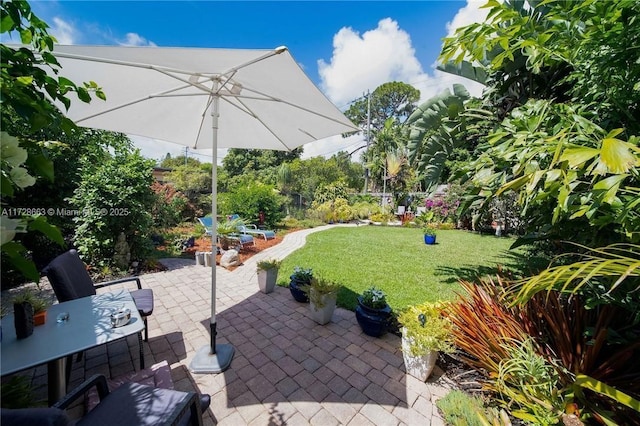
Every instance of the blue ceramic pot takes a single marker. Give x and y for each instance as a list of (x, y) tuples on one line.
[(373, 322), (296, 291), (429, 239)]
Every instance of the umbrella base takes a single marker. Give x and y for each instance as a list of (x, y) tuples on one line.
[(206, 362)]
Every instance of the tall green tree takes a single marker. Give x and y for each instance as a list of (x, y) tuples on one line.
[(309, 174), (395, 100), (381, 114), (172, 162), (240, 161)]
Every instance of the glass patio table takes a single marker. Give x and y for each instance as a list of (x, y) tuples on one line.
[(88, 325)]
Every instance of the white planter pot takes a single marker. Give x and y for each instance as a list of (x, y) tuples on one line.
[(421, 366), (208, 258), (267, 280), (322, 315)]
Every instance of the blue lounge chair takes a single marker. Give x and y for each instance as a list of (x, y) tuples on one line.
[(242, 238), (207, 222), (249, 229)]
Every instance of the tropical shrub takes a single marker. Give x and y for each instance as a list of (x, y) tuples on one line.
[(364, 209), (590, 349), (28, 93), (332, 211), (580, 178), (321, 212), (330, 192), (484, 327), (252, 199), (170, 207), (442, 208), (114, 197)]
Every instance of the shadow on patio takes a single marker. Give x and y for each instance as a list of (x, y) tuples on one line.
[(288, 369)]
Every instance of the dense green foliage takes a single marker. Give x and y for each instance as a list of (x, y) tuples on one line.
[(26, 109), (563, 89), (249, 201), (114, 197), (571, 156), (568, 181)]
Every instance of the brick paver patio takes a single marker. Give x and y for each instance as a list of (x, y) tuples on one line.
[(286, 368)]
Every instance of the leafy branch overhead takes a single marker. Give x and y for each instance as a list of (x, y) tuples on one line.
[(29, 92)]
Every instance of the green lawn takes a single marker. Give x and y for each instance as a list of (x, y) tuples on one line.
[(397, 261)]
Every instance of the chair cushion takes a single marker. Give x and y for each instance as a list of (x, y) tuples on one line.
[(135, 404), (244, 239), (69, 278), (144, 301), (156, 376), (34, 417), (269, 234)]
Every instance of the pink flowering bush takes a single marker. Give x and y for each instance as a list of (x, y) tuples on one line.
[(443, 209)]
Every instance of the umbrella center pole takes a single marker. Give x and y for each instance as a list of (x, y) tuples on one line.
[(213, 358), (214, 332)]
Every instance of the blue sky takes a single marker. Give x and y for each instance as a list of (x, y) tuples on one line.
[(346, 48)]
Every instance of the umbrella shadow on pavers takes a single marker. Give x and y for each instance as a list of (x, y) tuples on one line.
[(282, 356)]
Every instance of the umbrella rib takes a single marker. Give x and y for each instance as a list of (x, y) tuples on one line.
[(300, 107), (249, 111), (203, 115), (136, 101)]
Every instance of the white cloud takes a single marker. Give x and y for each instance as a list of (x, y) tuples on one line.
[(133, 39), (63, 31), (381, 55), (467, 15), (365, 62)]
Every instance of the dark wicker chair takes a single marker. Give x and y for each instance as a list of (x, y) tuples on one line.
[(129, 404), (70, 280)]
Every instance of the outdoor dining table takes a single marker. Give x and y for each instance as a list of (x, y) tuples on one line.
[(88, 325)]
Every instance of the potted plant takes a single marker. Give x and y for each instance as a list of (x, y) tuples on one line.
[(373, 312), (429, 232), (322, 297), (38, 306), (300, 280), (425, 332), (268, 274), (22, 316), (226, 230)]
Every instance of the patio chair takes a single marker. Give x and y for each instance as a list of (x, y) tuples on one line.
[(70, 280), (250, 229), (129, 404), (207, 222), (239, 237)]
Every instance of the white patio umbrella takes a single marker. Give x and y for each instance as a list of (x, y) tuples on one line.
[(203, 98)]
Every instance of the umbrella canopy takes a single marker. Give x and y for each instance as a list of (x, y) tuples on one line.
[(266, 100), (203, 98)]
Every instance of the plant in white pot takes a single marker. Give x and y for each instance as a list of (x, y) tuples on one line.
[(425, 332), (268, 274), (322, 299)]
